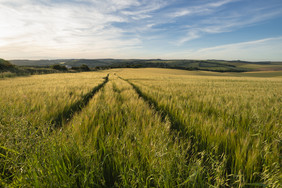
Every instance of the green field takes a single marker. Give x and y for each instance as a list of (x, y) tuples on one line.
[(141, 128)]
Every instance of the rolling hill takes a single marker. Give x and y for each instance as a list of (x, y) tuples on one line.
[(207, 65)]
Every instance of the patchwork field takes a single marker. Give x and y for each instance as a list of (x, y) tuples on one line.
[(141, 128)]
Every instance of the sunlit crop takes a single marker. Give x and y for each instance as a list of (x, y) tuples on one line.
[(140, 128)]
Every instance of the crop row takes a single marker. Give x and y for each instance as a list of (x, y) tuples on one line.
[(237, 118), (139, 129), (31, 108)]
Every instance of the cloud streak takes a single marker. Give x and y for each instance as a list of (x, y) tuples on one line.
[(64, 27), (218, 21), (257, 50), (206, 8)]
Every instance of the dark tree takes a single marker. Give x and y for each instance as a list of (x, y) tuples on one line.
[(59, 67), (84, 68)]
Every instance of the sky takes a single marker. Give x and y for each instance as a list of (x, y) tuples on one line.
[(166, 29)]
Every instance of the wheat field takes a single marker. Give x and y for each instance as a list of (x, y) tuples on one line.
[(141, 128)]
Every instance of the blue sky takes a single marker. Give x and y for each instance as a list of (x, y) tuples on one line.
[(168, 29)]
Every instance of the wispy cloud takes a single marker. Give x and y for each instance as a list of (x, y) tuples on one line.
[(218, 21), (67, 26), (263, 49), (74, 25), (203, 8), (113, 28), (243, 45), (191, 35)]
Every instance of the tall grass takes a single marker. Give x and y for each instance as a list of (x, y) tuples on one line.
[(237, 117), (119, 142), (179, 130), (28, 107)]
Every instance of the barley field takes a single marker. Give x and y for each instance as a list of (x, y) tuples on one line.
[(141, 128)]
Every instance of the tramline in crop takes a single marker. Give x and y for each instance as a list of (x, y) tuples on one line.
[(140, 127)]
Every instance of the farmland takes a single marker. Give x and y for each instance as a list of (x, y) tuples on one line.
[(141, 128)]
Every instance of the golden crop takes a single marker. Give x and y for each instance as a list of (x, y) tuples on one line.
[(144, 127)]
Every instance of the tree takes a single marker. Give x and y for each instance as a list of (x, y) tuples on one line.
[(59, 67), (84, 68)]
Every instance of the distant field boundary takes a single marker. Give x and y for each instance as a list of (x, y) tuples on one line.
[(182, 64)]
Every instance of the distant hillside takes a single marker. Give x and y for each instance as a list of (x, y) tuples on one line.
[(71, 62), (207, 65), (6, 66), (7, 69)]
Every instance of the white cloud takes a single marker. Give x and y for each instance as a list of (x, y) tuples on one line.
[(29, 28), (205, 8), (113, 28), (33, 28), (257, 50), (218, 22), (191, 35)]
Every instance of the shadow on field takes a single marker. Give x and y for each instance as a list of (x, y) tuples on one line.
[(66, 115)]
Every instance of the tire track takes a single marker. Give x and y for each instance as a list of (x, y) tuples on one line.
[(175, 123), (178, 126), (66, 115), (190, 134)]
